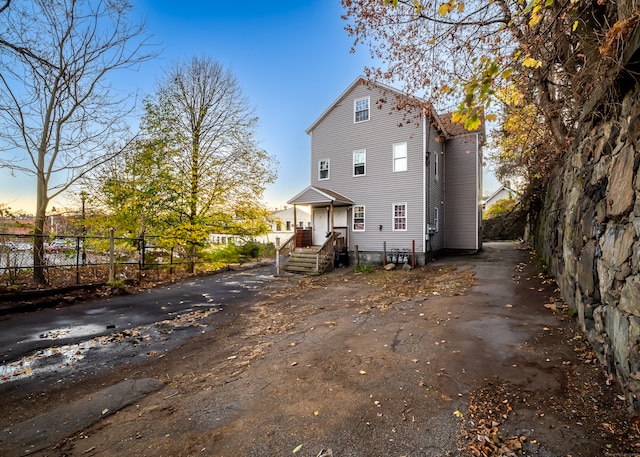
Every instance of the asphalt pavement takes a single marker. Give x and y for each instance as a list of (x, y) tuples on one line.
[(70, 341), (23, 333)]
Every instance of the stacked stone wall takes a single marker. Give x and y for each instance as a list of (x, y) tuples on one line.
[(589, 232), (508, 226)]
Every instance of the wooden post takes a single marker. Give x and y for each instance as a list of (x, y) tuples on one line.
[(357, 255), (331, 217), (384, 253), (413, 253), (112, 257), (278, 251), (295, 219)]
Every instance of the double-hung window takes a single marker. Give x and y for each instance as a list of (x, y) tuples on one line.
[(400, 157), (359, 162), (361, 109), (399, 216), (323, 169), (358, 218)]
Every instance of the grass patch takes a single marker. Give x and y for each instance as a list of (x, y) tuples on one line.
[(363, 268)]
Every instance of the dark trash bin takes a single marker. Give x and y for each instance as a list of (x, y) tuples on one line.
[(341, 258)]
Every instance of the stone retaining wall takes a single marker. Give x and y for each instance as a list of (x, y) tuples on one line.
[(508, 226), (589, 232)]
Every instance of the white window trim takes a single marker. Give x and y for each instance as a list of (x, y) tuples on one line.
[(406, 157), (364, 219), (355, 102), (320, 178), (436, 164), (393, 217), (436, 219), (353, 165)]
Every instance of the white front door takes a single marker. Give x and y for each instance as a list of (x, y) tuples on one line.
[(320, 224)]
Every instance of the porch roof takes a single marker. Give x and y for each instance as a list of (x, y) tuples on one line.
[(319, 196)]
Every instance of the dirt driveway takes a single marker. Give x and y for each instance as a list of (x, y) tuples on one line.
[(471, 355)]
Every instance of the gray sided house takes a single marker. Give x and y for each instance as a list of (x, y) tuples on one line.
[(386, 175)]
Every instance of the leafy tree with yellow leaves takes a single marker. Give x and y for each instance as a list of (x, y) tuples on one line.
[(569, 57)]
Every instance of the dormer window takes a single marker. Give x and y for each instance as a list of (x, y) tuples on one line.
[(361, 109)]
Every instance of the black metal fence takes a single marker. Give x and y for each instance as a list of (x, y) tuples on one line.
[(88, 259)]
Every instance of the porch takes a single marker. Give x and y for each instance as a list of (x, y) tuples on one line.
[(314, 250)]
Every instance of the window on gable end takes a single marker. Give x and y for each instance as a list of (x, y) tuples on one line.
[(400, 157), (323, 169), (358, 218), (361, 110), (359, 162), (399, 216)]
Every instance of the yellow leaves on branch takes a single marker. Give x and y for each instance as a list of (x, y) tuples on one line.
[(470, 121), (535, 8), (457, 117), (530, 62), (444, 9), (448, 7)]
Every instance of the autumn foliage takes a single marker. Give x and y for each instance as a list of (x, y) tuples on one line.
[(540, 67)]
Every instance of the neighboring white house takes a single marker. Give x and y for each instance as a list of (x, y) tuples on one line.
[(282, 226), (502, 193), (386, 178)]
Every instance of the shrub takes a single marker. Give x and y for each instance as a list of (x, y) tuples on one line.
[(498, 208), (225, 254)]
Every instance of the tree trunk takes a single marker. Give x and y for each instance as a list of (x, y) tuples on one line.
[(38, 233)]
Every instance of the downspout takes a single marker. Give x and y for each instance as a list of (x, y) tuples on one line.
[(442, 204), (478, 181), (427, 246), (425, 172)]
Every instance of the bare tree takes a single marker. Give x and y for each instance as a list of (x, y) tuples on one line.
[(59, 115)]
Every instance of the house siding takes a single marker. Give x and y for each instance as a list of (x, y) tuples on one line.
[(435, 193), (337, 136), (462, 205)]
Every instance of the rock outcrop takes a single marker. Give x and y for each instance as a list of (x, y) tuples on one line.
[(589, 232)]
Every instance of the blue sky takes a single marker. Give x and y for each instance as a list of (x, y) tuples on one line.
[(291, 57)]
